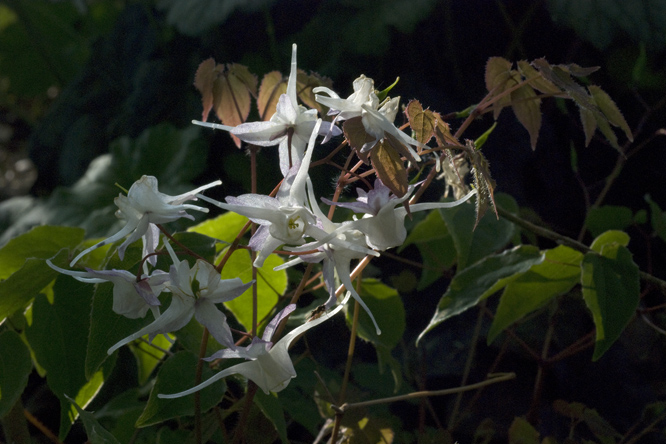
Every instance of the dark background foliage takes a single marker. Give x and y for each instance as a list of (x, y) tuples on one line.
[(77, 75)]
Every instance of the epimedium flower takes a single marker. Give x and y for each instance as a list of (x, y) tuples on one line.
[(268, 364), (377, 118), (195, 292), (383, 223), (143, 208), (290, 127), (132, 295)]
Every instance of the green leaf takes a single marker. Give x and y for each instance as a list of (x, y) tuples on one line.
[(657, 218), (386, 306), (556, 275), (489, 236), (176, 375), (57, 337), (271, 285), (475, 283), (522, 432), (96, 433), (224, 227), (435, 244), (41, 242), (609, 238), (611, 291), (15, 367), (271, 407), (21, 287), (610, 110), (608, 217), (148, 357)]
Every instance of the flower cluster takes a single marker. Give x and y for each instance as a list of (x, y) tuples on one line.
[(291, 220)]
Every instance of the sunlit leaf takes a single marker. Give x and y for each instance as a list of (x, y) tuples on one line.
[(232, 90), (537, 81), (224, 227), (15, 367), (528, 111), (498, 74), (204, 79), (273, 85), (610, 110), (611, 292), (472, 284), (148, 356), (609, 238), (442, 132), (556, 275), (390, 168), (422, 122), (271, 285), (176, 375)]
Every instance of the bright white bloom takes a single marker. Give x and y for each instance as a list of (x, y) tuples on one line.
[(132, 297), (377, 120), (383, 224), (290, 126), (195, 293), (143, 208), (268, 365)]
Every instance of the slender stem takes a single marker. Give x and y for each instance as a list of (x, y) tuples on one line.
[(468, 365), (15, 427), (415, 395), (538, 382), (198, 436), (245, 413)]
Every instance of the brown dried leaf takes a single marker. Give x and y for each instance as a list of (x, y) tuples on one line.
[(273, 85), (483, 182), (203, 82), (422, 122), (355, 133), (610, 110), (304, 85), (389, 167), (539, 83), (527, 108), (498, 74), (442, 132)]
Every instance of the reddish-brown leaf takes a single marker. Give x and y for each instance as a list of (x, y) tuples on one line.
[(537, 82), (203, 82), (231, 96), (389, 167), (244, 76), (498, 76), (422, 122), (273, 85), (610, 110), (304, 85), (355, 133), (442, 132), (527, 108)]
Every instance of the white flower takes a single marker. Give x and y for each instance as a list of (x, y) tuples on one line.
[(143, 208), (132, 295), (290, 126), (352, 106), (268, 365), (195, 293)]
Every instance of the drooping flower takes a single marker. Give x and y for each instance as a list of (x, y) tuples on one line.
[(195, 292), (143, 208), (377, 118), (290, 127), (269, 364), (132, 297)]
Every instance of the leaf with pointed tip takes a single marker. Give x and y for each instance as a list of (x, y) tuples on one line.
[(522, 432), (203, 82), (442, 132), (579, 71), (498, 74), (422, 122), (96, 433), (389, 167), (15, 367), (527, 108), (610, 110), (537, 81), (231, 95), (355, 133), (305, 84), (478, 281), (272, 87), (589, 124), (611, 291)]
